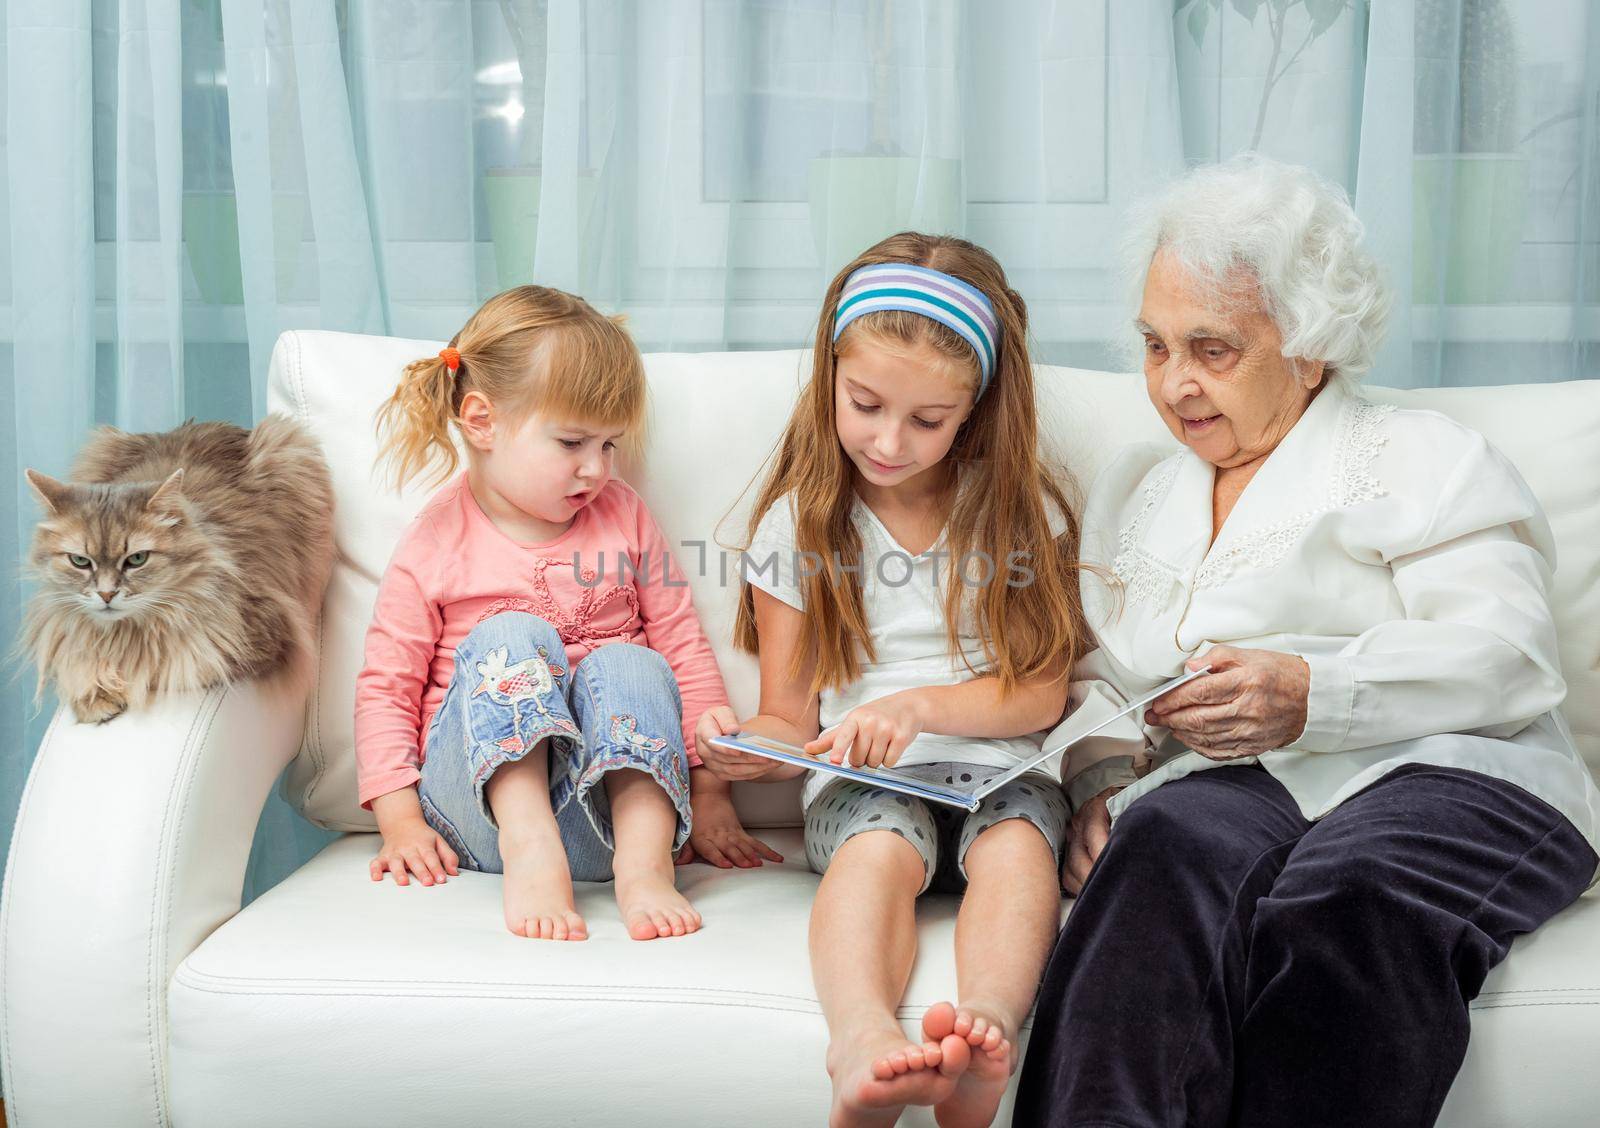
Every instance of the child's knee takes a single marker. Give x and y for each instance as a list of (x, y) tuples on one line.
[(638, 665), (519, 630), (885, 849), (1007, 844)]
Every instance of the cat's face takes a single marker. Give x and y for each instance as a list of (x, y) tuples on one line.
[(112, 552)]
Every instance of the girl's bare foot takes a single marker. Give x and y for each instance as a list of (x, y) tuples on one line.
[(538, 887), (877, 1073), (650, 904), (977, 1094)]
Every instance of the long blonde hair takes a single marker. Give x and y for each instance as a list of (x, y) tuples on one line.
[(529, 349), (1000, 507)]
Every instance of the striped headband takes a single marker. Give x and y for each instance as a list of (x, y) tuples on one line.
[(955, 304)]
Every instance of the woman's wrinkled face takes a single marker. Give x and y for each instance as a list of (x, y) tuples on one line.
[(1215, 370)]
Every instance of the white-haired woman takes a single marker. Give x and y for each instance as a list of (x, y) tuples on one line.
[(1293, 937)]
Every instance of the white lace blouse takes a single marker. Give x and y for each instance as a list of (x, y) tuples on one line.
[(1396, 551)]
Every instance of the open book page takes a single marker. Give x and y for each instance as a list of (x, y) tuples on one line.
[(1063, 736)]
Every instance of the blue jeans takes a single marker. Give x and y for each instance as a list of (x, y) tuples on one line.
[(619, 708)]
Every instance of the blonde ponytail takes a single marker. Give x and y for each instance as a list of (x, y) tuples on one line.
[(415, 422), (530, 349)]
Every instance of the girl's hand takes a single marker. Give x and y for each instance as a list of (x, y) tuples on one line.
[(1091, 826), (724, 764), (875, 734), (415, 846), (720, 838), (1252, 701)]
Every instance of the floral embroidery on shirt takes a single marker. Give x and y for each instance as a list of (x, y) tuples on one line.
[(1351, 482), (1145, 578), (511, 603), (577, 626)]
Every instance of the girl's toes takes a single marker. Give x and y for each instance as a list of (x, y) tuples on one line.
[(964, 1024), (992, 1041), (558, 928)]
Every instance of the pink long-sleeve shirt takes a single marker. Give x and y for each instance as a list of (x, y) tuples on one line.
[(454, 568)]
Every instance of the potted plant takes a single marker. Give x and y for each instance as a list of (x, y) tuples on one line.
[(857, 198), (1323, 15), (1469, 184)]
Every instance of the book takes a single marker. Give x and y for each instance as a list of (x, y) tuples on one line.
[(1075, 728)]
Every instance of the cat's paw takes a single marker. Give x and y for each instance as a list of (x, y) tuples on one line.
[(98, 708)]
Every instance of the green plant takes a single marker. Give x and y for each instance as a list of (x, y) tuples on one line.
[(1324, 14)]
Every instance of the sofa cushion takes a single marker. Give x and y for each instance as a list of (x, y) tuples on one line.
[(715, 419), (361, 1003)]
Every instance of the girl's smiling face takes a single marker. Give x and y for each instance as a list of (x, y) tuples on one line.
[(1215, 370), (897, 409)]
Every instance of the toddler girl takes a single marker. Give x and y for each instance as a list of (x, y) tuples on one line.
[(533, 650)]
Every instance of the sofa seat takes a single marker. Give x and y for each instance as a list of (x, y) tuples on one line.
[(334, 1000)]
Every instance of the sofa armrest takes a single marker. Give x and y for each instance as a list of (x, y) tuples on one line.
[(130, 848)]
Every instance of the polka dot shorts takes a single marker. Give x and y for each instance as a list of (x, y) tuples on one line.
[(942, 834)]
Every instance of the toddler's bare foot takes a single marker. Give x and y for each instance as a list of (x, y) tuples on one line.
[(878, 1072), (978, 1091), (538, 887), (650, 904)]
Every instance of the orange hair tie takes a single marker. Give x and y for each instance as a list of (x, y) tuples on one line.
[(451, 358)]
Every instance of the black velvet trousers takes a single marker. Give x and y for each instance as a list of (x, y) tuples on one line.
[(1230, 963)]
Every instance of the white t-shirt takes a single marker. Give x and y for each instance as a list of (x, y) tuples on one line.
[(903, 596)]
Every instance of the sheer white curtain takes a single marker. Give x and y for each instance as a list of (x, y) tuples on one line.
[(187, 178)]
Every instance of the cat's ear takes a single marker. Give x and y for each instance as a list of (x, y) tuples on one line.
[(51, 493), (167, 498)]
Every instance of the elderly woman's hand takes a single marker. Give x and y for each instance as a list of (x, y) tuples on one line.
[(1251, 702), (1091, 826)]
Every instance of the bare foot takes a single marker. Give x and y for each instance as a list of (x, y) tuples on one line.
[(978, 1092), (878, 1073), (650, 904), (538, 888)]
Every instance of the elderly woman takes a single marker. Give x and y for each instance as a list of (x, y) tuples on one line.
[(1294, 871)]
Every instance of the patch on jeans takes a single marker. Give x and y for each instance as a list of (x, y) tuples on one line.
[(625, 730), (510, 682)]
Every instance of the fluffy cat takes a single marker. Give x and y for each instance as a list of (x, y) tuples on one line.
[(178, 561)]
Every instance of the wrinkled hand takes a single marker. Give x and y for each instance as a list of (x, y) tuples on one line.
[(873, 735), (720, 838), (1091, 826), (417, 847), (1251, 702), (723, 721)]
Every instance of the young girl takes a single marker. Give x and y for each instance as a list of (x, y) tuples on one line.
[(912, 595), (533, 649)]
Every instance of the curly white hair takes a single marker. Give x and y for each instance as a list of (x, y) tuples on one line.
[(1287, 230)]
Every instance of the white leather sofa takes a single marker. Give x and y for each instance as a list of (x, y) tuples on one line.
[(136, 992)]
